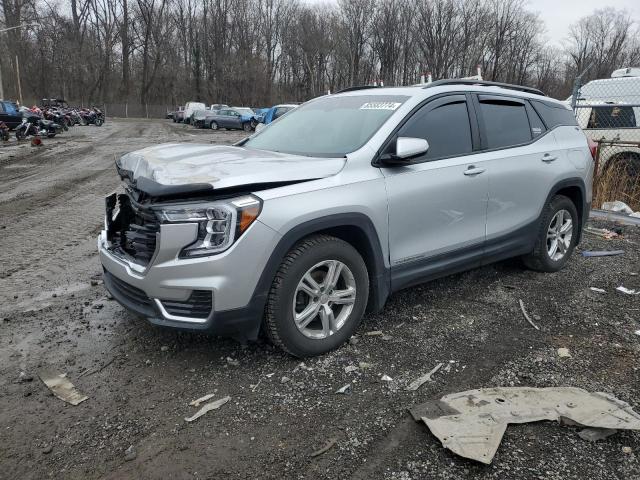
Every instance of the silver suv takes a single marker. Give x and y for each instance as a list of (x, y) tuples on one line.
[(304, 226)]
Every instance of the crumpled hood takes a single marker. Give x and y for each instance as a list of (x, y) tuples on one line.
[(220, 166)]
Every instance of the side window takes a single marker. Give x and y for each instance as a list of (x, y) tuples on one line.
[(1, 107), (280, 111), (445, 126), (537, 127), (612, 117), (505, 122), (554, 115)]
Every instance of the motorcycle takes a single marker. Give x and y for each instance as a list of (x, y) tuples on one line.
[(34, 125), (92, 116)]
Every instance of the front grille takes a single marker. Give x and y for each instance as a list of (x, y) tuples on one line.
[(134, 230), (198, 305)]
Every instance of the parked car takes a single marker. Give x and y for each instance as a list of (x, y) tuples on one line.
[(190, 108), (9, 114), (178, 115), (609, 112), (273, 113), (199, 117), (231, 118), (303, 226)]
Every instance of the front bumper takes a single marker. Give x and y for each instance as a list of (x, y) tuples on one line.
[(231, 277)]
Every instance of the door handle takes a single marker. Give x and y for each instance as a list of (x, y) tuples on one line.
[(472, 171), (548, 158)]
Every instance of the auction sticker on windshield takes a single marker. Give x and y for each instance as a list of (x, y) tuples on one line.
[(380, 106)]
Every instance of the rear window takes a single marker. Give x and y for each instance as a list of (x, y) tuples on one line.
[(554, 115), (506, 123), (612, 117)]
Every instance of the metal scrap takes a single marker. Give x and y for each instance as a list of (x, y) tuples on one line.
[(61, 387), (628, 291), (208, 407), (417, 383), (326, 448), (472, 423), (196, 403), (526, 315), (601, 253)]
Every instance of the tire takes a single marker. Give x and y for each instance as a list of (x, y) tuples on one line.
[(312, 256), (99, 122), (540, 259), (20, 134), (214, 126), (253, 124), (51, 135), (246, 126)]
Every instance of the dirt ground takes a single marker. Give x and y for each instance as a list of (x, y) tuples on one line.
[(55, 312)]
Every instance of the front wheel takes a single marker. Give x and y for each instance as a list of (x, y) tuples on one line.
[(21, 133), (214, 126), (318, 297), (99, 122), (557, 236), (246, 126)]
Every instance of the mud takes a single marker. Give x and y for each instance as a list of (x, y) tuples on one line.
[(54, 312)]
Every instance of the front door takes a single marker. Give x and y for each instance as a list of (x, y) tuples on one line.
[(438, 203)]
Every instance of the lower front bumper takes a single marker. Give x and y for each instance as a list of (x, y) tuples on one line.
[(242, 324)]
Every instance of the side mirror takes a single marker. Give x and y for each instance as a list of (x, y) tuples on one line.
[(408, 147)]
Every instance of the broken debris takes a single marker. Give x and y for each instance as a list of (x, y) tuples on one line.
[(564, 353), (196, 403), (386, 378), (326, 448), (417, 383), (595, 434), (472, 423), (526, 315), (597, 290), (208, 407), (601, 253), (61, 387), (344, 390), (628, 291)]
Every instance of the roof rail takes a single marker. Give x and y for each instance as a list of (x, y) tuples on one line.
[(358, 87), (461, 81)]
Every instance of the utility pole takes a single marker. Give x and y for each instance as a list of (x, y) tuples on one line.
[(17, 68), (18, 75)]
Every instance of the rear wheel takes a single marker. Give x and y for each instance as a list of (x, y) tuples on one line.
[(557, 236), (318, 297)]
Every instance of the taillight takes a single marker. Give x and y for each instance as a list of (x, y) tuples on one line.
[(593, 148)]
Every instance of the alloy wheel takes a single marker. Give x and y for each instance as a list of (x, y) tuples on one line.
[(559, 234), (324, 299)]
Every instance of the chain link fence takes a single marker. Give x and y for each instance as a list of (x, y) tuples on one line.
[(608, 110)]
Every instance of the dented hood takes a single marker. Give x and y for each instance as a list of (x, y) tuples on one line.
[(216, 166)]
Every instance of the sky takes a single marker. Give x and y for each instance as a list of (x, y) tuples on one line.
[(559, 14)]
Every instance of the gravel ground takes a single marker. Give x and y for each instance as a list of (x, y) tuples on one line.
[(54, 312)]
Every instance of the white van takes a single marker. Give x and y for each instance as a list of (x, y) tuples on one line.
[(608, 110), (190, 108)]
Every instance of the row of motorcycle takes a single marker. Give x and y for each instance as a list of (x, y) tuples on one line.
[(50, 121)]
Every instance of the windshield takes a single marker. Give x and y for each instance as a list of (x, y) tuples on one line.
[(328, 126), (244, 111)]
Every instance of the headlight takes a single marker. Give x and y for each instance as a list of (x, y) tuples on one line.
[(219, 223)]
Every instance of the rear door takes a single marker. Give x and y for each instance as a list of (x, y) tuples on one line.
[(437, 204), (525, 162)]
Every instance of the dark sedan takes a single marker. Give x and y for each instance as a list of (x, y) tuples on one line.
[(9, 114), (231, 118)]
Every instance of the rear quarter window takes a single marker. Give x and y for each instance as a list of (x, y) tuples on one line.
[(554, 115), (613, 116)]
